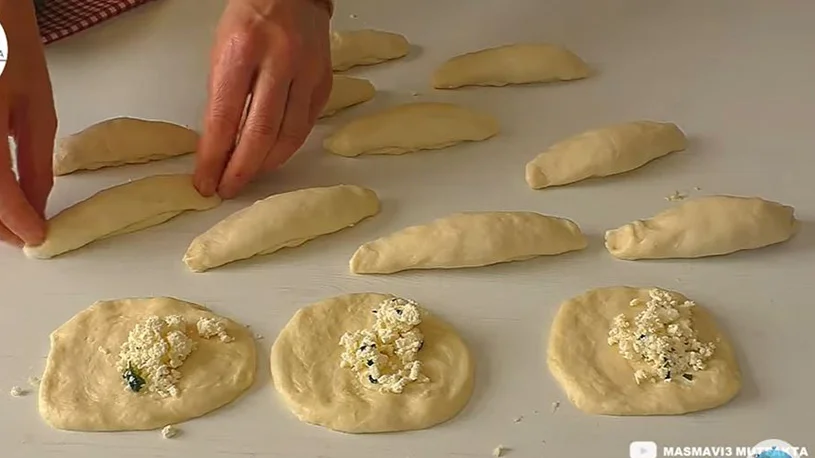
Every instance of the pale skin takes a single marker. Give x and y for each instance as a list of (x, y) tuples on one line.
[(270, 76)]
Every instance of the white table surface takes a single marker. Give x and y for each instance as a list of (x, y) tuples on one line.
[(736, 75)]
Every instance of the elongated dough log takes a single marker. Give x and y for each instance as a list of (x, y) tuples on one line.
[(707, 226), (122, 209), (280, 221), (411, 127), (604, 152), (511, 64), (346, 92), (121, 141), (350, 48), (469, 239)]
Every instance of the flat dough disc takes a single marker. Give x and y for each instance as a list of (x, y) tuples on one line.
[(306, 371), (598, 380), (81, 389)]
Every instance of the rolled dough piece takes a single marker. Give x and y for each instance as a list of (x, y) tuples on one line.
[(306, 371), (280, 221), (120, 141), (347, 92), (511, 64), (411, 127), (706, 226), (598, 380), (469, 239), (350, 48), (122, 209), (603, 152), (82, 390)]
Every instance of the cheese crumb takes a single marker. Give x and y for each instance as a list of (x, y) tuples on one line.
[(211, 327), (16, 391), (662, 341), (34, 381), (152, 354), (676, 196), (555, 406), (518, 419), (498, 451), (169, 431), (385, 357)]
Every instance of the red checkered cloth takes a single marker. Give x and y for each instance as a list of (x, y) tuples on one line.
[(58, 19)]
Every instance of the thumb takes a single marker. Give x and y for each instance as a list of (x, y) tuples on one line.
[(15, 211)]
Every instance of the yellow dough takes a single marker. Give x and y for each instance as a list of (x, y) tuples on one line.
[(82, 390), (306, 371), (347, 92), (598, 380), (350, 48)]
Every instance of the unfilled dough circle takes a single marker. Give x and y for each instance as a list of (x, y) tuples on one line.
[(598, 380), (82, 390), (306, 371)]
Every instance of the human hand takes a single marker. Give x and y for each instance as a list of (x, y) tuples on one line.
[(270, 78), (28, 116)]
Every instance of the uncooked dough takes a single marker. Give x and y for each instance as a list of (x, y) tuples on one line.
[(598, 380), (511, 64), (706, 226), (118, 210), (306, 371), (120, 141), (280, 221), (82, 390), (604, 152), (469, 239), (350, 48), (411, 127), (346, 92)]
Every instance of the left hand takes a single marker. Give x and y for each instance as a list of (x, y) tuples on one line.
[(271, 60)]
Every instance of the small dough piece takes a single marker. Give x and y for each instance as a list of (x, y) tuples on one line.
[(346, 92), (280, 221), (511, 64), (604, 152), (350, 48), (306, 371), (411, 127), (120, 141), (82, 390), (469, 239), (705, 226), (121, 209), (598, 380)]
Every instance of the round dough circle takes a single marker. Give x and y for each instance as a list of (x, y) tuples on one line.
[(81, 389), (306, 371), (598, 380)]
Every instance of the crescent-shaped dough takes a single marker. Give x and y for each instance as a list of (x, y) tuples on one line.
[(469, 239), (346, 92), (511, 64), (280, 221), (121, 141), (118, 210), (350, 48), (604, 152), (706, 226), (411, 127)]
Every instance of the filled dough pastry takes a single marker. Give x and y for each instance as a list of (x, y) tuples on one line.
[(350, 48), (346, 92), (122, 209), (469, 239), (121, 141), (280, 221), (511, 64), (706, 226), (604, 152), (143, 363), (371, 363), (411, 127), (637, 351)]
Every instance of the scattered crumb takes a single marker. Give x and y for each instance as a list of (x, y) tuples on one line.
[(258, 336), (415, 94), (697, 188), (353, 16), (676, 196), (555, 406), (104, 351), (34, 381), (16, 391), (518, 419), (499, 451), (169, 432), (535, 412)]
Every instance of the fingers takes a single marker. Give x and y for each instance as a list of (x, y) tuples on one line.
[(16, 214), (6, 236), (230, 84), (296, 123), (259, 132), (321, 95), (35, 128)]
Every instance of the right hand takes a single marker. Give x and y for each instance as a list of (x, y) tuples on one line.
[(28, 116)]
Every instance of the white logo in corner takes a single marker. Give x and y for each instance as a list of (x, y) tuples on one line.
[(3, 49), (643, 449), (774, 448)]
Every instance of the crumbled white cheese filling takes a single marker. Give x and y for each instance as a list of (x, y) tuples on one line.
[(16, 391), (169, 431), (34, 381), (385, 357), (211, 327), (498, 451), (662, 339), (152, 354)]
